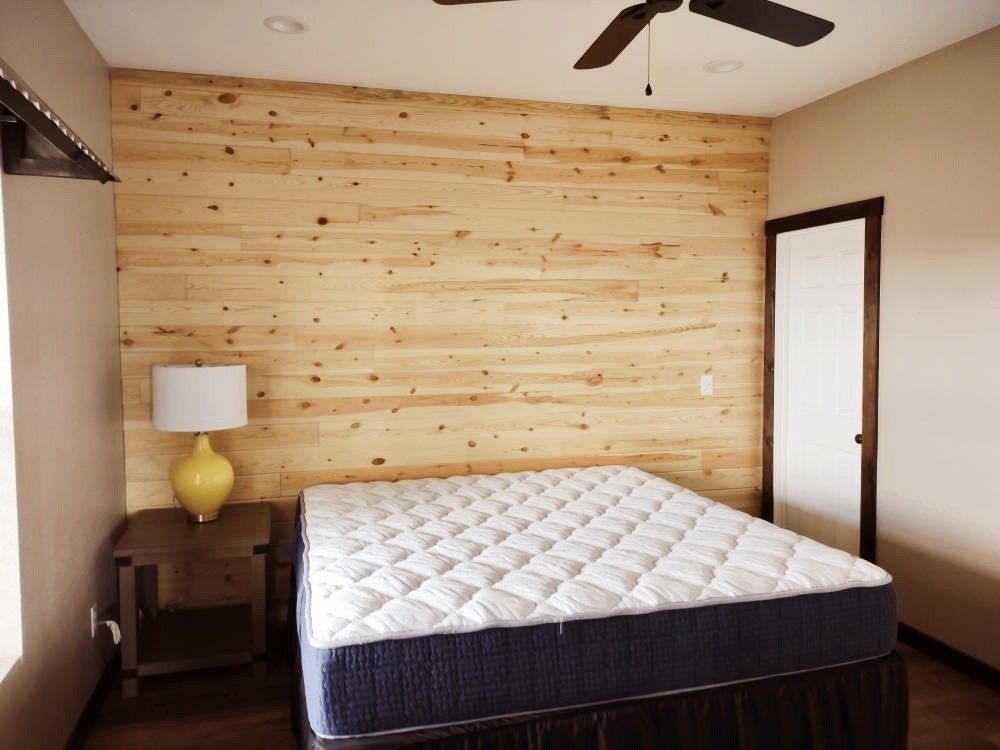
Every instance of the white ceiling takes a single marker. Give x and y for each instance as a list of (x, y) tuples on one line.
[(526, 49)]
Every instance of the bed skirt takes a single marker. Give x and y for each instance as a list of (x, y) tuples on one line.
[(861, 706)]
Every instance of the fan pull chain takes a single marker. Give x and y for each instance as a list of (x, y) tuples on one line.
[(649, 55)]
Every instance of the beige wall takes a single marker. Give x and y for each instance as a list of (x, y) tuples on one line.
[(62, 290), (927, 137)]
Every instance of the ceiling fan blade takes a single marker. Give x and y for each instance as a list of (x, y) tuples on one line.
[(769, 19), (621, 31)]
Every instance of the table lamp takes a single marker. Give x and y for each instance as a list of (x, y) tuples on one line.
[(199, 398)]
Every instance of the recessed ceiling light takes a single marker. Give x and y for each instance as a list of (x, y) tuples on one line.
[(722, 66), (284, 25)]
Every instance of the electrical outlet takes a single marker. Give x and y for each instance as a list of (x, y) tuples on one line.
[(93, 620), (707, 384)]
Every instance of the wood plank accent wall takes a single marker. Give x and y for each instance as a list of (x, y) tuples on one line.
[(425, 284)]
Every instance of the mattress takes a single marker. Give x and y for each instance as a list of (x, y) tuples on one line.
[(428, 602)]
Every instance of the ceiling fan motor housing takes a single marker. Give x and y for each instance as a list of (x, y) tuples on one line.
[(664, 6), (764, 17)]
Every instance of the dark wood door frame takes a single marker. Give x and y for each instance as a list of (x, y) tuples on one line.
[(871, 211)]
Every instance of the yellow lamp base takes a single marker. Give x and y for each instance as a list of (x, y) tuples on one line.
[(202, 481)]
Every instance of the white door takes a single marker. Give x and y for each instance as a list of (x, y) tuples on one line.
[(819, 333)]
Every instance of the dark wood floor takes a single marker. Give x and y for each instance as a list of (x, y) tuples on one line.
[(947, 709), (227, 708)]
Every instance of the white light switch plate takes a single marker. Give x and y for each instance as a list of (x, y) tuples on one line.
[(707, 384)]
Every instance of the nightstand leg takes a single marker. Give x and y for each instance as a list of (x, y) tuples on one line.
[(258, 607), (127, 606)]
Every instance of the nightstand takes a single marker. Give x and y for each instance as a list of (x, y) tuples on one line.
[(167, 641)]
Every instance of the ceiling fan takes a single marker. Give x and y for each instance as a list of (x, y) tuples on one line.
[(763, 17)]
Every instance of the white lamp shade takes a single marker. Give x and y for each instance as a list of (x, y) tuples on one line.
[(189, 398)]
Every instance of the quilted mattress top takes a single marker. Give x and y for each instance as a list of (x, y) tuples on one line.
[(420, 557)]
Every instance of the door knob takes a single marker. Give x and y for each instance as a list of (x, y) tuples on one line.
[(857, 438)]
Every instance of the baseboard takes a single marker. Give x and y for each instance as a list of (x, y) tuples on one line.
[(88, 716), (960, 661)]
